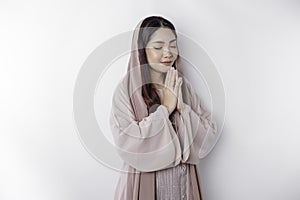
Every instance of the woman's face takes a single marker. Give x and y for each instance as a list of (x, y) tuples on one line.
[(161, 50)]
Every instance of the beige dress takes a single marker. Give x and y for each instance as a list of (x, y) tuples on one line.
[(161, 161)]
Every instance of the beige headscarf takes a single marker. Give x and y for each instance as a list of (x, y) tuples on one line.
[(133, 82), (134, 78), (129, 109)]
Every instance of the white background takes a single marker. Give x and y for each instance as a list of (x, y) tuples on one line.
[(254, 44)]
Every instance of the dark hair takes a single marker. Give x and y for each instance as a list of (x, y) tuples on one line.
[(148, 27)]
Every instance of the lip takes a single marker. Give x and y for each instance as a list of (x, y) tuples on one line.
[(166, 63)]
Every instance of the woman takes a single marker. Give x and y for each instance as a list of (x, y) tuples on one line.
[(159, 125)]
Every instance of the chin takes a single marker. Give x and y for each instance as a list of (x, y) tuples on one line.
[(161, 69), (166, 68)]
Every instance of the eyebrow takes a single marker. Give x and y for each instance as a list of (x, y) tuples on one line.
[(163, 41)]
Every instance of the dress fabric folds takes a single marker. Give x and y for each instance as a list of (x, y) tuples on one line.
[(173, 183), (196, 132)]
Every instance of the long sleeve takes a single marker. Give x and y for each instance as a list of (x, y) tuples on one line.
[(197, 130), (147, 145)]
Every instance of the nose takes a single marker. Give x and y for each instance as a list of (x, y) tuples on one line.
[(167, 53)]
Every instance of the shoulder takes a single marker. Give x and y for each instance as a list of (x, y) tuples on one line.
[(119, 92)]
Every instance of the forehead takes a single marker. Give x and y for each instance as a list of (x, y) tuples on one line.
[(162, 34)]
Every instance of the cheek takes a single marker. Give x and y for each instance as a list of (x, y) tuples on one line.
[(175, 52), (153, 56)]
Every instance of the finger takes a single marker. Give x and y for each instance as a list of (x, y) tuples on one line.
[(176, 81), (179, 97), (172, 80), (180, 89), (175, 78), (167, 80), (176, 87), (180, 83)]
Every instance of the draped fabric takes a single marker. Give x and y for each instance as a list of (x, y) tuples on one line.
[(148, 142)]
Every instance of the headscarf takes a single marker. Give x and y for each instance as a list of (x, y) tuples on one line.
[(134, 80), (144, 182)]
